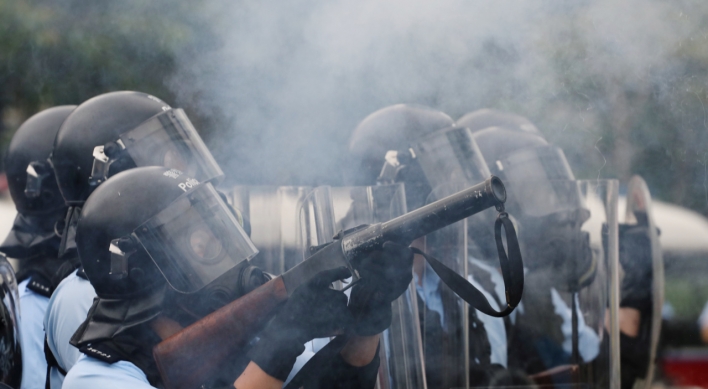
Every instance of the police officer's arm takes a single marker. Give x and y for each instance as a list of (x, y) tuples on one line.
[(252, 377), (386, 274), (312, 311), (255, 378)]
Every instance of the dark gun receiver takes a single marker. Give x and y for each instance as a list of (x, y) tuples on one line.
[(193, 355)]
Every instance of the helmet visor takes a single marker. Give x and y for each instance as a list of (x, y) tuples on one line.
[(169, 139), (451, 155), (540, 181), (195, 240)]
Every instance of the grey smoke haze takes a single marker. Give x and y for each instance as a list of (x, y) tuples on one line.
[(290, 80)]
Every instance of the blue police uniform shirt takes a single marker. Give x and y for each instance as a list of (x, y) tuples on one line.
[(494, 326), (67, 309), (90, 373), (429, 291), (34, 366), (588, 339)]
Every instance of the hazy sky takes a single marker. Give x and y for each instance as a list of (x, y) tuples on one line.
[(292, 79)]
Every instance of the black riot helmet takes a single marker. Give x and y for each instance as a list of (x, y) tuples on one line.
[(33, 187), (148, 225), (524, 161), (387, 134), (487, 117), (149, 233), (546, 200), (120, 130)]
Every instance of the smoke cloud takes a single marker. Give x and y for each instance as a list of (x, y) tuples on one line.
[(289, 81)]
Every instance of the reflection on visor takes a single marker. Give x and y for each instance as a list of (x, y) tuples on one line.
[(540, 181), (451, 155), (174, 160), (543, 163), (169, 139), (205, 247), (195, 240)]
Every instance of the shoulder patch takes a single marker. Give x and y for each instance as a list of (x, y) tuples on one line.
[(104, 354), (40, 286)]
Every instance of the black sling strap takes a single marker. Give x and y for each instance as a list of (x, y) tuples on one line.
[(512, 271), (511, 266)]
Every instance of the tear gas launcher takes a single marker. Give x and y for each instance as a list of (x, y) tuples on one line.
[(211, 340)]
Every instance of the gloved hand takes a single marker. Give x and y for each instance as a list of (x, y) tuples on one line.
[(312, 311), (385, 275)]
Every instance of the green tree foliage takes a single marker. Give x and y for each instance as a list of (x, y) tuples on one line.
[(64, 52)]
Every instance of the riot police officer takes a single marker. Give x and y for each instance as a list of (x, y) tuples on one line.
[(545, 198), (152, 241), (638, 245), (386, 139), (118, 131), (34, 239), (103, 136)]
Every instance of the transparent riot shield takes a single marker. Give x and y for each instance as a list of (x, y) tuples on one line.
[(10, 349), (401, 347), (463, 347), (565, 331), (315, 221), (642, 287), (273, 215)]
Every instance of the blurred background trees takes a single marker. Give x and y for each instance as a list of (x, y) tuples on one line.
[(65, 52)]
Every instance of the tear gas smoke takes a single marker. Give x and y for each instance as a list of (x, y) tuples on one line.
[(291, 80)]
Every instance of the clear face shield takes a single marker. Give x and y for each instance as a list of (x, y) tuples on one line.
[(451, 155), (168, 139), (539, 181), (446, 155), (451, 162), (401, 345), (558, 335), (193, 241)]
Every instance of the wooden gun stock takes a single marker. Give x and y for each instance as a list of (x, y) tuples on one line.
[(190, 357)]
